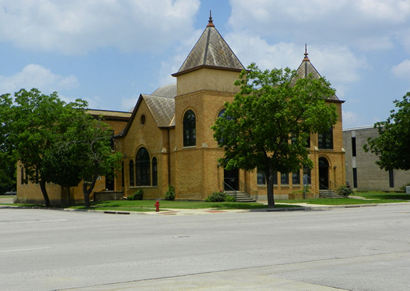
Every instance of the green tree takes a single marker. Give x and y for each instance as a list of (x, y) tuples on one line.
[(393, 142), (269, 122), (59, 142), (82, 152), (7, 155)]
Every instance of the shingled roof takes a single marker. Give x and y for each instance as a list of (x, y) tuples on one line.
[(307, 68), (210, 51)]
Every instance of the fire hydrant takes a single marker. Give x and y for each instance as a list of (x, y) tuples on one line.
[(157, 206)]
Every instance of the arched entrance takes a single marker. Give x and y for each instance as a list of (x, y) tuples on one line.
[(231, 180), (323, 173)]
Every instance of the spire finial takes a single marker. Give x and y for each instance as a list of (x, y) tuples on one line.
[(210, 22), (306, 58)]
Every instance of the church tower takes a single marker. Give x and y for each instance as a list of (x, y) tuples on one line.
[(205, 82)]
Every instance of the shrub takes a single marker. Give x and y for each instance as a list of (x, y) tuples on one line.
[(138, 195), (170, 194), (344, 191), (220, 197), (229, 198)]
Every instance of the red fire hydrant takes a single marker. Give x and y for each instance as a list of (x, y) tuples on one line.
[(157, 206)]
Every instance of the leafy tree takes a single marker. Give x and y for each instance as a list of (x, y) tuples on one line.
[(83, 152), (393, 142), (59, 142), (7, 155), (269, 122)]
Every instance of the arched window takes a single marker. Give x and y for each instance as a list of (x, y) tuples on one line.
[(221, 112), (189, 129), (131, 173), (154, 172), (142, 167)]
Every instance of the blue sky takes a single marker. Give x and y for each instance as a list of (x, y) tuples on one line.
[(108, 52)]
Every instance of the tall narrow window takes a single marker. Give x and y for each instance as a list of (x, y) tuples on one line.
[(308, 141), (122, 174), (296, 178), (261, 179), (154, 172), (21, 175), (391, 178), (354, 177), (142, 168), (189, 128), (353, 146), (325, 139), (284, 178), (132, 173), (307, 177)]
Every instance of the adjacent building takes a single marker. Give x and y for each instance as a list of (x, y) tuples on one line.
[(362, 172)]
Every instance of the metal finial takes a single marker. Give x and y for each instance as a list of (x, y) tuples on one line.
[(306, 53), (210, 22)]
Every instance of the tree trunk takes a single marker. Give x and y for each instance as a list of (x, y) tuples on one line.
[(44, 192), (269, 189), (87, 191)]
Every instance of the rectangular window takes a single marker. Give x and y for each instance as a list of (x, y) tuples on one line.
[(391, 179), (308, 142), (261, 179), (306, 176), (353, 146), (284, 178), (296, 178), (325, 139), (354, 177), (275, 178)]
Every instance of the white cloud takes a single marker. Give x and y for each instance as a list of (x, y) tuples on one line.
[(172, 64), (337, 63), (402, 70), (365, 24), (36, 76), (78, 26)]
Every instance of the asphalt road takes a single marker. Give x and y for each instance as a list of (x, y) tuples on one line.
[(355, 249)]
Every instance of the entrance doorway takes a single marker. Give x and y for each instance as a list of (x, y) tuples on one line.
[(231, 180), (109, 182), (323, 173)]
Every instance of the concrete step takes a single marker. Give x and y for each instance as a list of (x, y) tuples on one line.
[(240, 196), (328, 194)]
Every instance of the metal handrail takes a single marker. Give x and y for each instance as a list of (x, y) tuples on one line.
[(231, 189)]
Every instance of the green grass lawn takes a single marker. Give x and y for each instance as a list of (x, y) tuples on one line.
[(374, 197), (148, 205), (385, 196)]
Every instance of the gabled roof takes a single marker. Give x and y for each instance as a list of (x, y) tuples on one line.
[(210, 51), (307, 68), (162, 109)]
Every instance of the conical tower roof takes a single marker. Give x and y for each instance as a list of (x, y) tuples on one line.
[(210, 51), (307, 68)]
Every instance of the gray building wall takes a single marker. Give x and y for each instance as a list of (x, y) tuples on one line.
[(369, 175)]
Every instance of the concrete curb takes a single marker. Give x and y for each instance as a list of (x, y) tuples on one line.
[(173, 211)]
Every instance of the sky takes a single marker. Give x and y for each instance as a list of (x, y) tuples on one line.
[(109, 51)]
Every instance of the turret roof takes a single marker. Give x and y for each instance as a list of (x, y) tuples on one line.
[(210, 51), (307, 68)]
